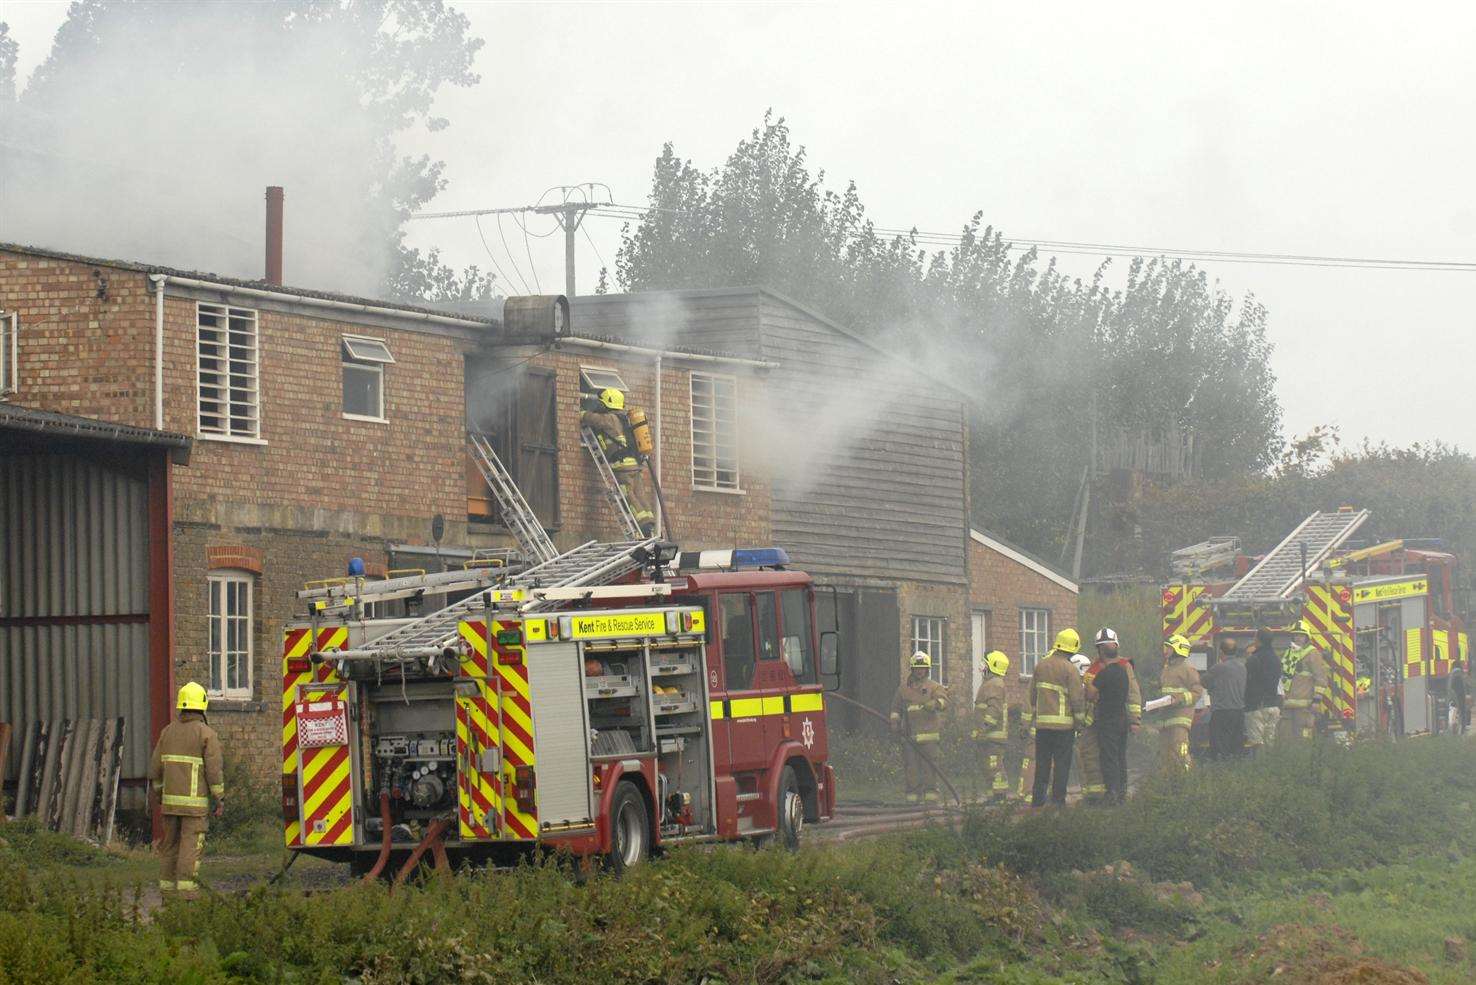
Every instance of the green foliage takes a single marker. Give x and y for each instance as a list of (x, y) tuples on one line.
[(1132, 610), (1165, 350), (1420, 491), (251, 806), (25, 841)]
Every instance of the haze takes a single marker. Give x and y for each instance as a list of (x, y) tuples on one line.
[(1278, 128)]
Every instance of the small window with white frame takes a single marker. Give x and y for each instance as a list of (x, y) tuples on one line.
[(598, 379), (927, 637), (1035, 635), (230, 633), (714, 432), (228, 372), (9, 353), (364, 360)]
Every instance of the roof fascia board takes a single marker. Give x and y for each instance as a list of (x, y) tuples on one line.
[(1019, 557), (675, 355)]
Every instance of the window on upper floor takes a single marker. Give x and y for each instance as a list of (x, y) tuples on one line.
[(714, 432), (597, 379), (9, 353), (364, 361), (228, 372), (230, 617)]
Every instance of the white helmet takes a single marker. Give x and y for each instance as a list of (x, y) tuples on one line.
[(1106, 635), (1081, 662)]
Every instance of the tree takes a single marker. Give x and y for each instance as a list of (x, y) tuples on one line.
[(152, 128), (8, 52), (1041, 350)]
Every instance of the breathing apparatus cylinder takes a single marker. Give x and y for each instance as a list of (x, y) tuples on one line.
[(640, 429)]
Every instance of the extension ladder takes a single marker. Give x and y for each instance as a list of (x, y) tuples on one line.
[(516, 513), (592, 564), (614, 494), (1280, 573)]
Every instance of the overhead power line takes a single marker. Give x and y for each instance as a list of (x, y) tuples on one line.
[(631, 213)]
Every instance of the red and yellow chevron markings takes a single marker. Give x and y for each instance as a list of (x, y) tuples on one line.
[(327, 792), (1327, 615), (510, 665), (479, 791), (1186, 612)]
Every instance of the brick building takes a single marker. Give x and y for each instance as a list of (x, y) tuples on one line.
[(1017, 604), (315, 428)]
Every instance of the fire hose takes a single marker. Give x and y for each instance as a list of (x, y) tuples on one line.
[(916, 747), (432, 843), (384, 845)]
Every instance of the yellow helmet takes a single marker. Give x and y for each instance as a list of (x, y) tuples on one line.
[(1068, 641), (920, 659), (997, 662), (192, 697), (1180, 645), (612, 398)]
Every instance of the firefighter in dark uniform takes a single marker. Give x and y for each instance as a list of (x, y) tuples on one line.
[(606, 416), (184, 773)]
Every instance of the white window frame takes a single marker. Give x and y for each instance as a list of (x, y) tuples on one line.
[(590, 376), (929, 634), (361, 363), (978, 646), (710, 440), (249, 432), (1035, 628), (9, 353), (217, 587)]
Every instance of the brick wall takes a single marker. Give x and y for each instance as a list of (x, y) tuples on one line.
[(1001, 586), (951, 603)]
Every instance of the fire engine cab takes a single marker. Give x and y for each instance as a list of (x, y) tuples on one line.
[(603, 704)]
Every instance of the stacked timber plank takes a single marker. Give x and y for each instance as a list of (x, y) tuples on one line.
[(69, 775)]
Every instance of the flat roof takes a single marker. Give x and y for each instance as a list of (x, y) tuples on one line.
[(30, 420)]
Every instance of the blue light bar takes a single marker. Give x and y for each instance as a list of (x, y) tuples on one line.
[(760, 557), (752, 557)]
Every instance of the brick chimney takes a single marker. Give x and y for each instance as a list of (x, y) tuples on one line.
[(274, 235)]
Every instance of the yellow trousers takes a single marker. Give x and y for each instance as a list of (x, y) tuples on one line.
[(180, 848), (1174, 748)]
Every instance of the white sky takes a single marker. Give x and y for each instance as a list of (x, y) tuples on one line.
[(1285, 127)]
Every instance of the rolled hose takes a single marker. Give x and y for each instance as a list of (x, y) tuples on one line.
[(384, 845)]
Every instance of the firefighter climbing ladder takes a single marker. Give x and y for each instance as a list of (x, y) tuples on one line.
[(589, 565), (1281, 572), (614, 495), (516, 513)]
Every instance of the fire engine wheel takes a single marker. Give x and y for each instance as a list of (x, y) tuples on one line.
[(791, 809), (630, 829)]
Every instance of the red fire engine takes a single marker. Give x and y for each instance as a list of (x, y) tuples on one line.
[(596, 703)]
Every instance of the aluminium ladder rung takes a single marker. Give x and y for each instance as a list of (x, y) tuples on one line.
[(1280, 572), (614, 494), (516, 513)]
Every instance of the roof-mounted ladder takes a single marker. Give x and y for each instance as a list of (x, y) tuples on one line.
[(516, 513), (590, 564), (1280, 573), (614, 494)]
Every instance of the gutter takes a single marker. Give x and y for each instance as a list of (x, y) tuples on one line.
[(315, 302), (672, 353)]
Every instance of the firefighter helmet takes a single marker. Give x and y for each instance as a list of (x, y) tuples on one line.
[(192, 697), (1179, 645), (920, 659), (997, 662), (1106, 635), (1068, 641), (612, 398)]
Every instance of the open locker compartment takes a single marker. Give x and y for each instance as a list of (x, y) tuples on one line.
[(676, 672)]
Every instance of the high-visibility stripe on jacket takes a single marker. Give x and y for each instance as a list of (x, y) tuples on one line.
[(991, 710), (921, 705), (1181, 681), (1307, 683), (185, 765), (1057, 702)]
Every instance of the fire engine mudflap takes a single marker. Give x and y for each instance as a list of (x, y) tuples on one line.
[(587, 731)]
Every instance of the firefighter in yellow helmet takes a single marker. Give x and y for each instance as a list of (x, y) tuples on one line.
[(1304, 678), (1179, 681), (606, 415), (992, 722), (917, 713), (1057, 707), (184, 773)]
